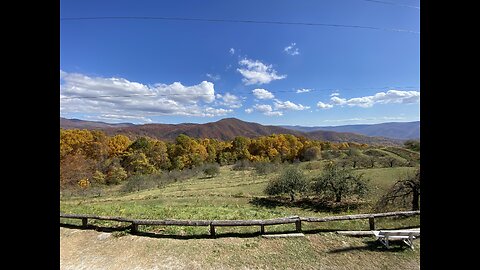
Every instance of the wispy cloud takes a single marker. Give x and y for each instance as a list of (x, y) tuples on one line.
[(262, 94), (230, 100), (119, 98), (303, 90), (256, 72), (322, 105), (291, 49), (265, 109), (367, 119), (214, 77), (232, 51), (288, 105)]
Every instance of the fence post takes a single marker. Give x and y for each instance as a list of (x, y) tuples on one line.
[(134, 228), (212, 230), (262, 229), (371, 222), (298, 225), (84, 222)]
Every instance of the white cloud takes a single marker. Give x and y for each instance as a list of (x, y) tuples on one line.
[(367, 119), (115, 118), (255, 72), (303, 90), (119, 98), (214, 77), (276, 113), (232, 51), (338, 101), (262, 108), (230, 100), (288, 105), (291, 49), (322, 105), (391, 96), (265, 109), (262, 93)]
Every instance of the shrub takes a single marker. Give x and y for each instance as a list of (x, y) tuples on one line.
[(291, 181), (265, 167), (243, 164), (139, 182), (211, 169)]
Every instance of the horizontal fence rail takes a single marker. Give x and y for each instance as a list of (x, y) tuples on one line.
[(256, 222)]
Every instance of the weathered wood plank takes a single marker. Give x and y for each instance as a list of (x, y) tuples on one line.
[(172, 222), (262, 223), (356, 233), (283, 235)]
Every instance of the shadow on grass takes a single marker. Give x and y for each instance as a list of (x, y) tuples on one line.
[(316, 205), (170, 236), (127, 228), (375, 246)]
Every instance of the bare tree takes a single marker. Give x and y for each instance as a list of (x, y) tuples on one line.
[(403, 190)]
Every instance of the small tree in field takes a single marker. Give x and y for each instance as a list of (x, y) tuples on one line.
[(339, 182), (291, 181), (402, 191)]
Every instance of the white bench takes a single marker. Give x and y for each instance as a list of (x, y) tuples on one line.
[(407, 236)]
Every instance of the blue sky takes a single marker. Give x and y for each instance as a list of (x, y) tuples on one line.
[(167, 71)]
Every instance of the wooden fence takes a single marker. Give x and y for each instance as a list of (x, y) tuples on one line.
[(256, 222)]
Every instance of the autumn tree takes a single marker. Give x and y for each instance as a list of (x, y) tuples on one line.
[(117, 145), (339, 182), (136, 162), (290, 182)]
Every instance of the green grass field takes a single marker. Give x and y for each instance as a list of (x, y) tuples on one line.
[(232, 195), (235, 195)]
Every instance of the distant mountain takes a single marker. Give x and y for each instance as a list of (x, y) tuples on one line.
[(225, 129), (82, 124), (394, 130)]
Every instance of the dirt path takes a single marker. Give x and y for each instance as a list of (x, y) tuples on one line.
[(89, 249)]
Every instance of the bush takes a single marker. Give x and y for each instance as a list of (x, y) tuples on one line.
[(139, 182), (241, 165), (313, 166), (265, 167), (312, 153), (291, 181), (211, 169)]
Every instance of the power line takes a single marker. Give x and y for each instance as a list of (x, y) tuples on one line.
[(392, 3), (242, 93), (233, 21)]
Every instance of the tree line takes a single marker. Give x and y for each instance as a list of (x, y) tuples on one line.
[(91, 155)]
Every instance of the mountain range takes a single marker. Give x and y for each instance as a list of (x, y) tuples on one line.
[(225, 129), (395, 130)]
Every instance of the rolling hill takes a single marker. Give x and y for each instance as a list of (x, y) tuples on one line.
[(225, 129)]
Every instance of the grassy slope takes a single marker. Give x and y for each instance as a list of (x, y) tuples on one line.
[(230, 195)]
